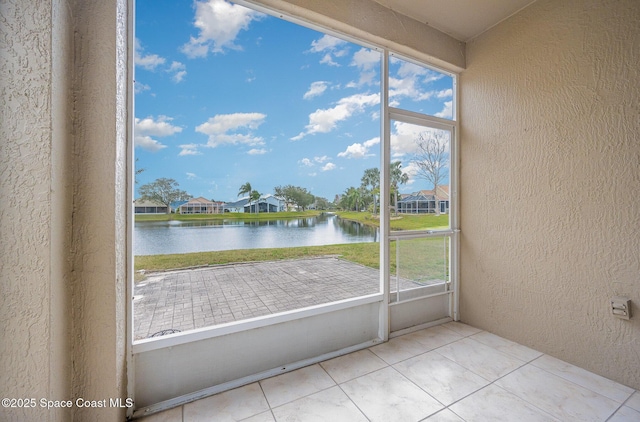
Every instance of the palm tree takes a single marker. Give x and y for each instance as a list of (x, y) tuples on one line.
[(346, 202), (371, 178), (398, 177), (246, 189), (353, 198), (255, 196)]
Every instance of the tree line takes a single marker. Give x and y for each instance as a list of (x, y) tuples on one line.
[(431, 163), (366, 195), (167, 191)]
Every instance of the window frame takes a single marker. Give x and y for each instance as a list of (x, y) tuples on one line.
[(388, 113), (382, 297)]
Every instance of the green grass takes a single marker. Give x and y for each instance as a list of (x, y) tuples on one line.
[(420, 259), (424, 259), (402, 221), (362, 253), (228, 216)]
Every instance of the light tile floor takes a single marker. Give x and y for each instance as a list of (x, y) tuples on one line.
[(452, 372)]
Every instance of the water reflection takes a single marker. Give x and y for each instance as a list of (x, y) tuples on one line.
[(162, 237)]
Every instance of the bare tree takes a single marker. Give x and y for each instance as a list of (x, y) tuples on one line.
[(432, 160)]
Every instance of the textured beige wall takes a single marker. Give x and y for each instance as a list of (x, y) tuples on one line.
[(35, 207), (62, 218), (99, 205), (550, 182)]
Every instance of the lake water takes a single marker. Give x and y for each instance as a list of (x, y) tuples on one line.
[(164, 237)]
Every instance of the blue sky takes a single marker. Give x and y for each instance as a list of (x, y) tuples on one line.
[(226, 95)]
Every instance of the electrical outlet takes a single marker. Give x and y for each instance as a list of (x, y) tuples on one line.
[(621, 307)]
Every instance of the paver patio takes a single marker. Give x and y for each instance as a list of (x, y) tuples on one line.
[(188, 299)]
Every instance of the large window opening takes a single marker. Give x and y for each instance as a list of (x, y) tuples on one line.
[(421, 172), (257, 167), (294, 194)]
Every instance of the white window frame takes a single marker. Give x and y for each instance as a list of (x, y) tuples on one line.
[(387, 114)]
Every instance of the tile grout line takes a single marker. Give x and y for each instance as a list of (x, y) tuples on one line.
[(354, 403), (266, 400)]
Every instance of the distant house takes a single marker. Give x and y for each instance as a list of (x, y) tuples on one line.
[(237, 206), (201, 205), (149, 207), (266, 203), (424, 201), (175, 206)]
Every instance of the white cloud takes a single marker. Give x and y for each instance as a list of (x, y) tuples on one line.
[(371, 142), (445, 93), (366, 61), (447, 111), (140, 87), (148, 143), (298, 136), (356, 150), (411, 170), (155, 127), (325, 120), (178, 76), (409, 69), (315, 89), (219, 23), (327, 42), (359, 150), (316, 160), (179, 71), (404, 136), (331, 47), (189, 149), (222, 129), (146, 61), (328, 60), (144, 129), (152, 62), (256, 151), (411, 80), (328, 167), (191, 176)]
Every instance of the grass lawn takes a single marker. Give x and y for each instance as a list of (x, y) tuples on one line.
[(362, 253), (420, 259), (402, 221)]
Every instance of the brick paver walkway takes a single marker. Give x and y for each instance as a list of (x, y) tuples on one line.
[(195, 298)]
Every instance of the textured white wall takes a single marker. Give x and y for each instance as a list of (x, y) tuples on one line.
[(35, 207), (62, 218), (550, 182)]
